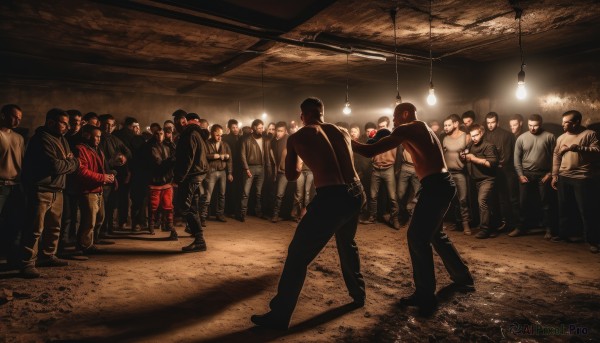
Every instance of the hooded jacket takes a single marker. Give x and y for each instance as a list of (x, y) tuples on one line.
[(190, 154), (90, 175), (46, 164)]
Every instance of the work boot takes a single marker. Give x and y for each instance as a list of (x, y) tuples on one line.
[(173, 236), (197, 245), (466, 228), (426, 306), (30, 272), (51, 262), (395, 223), (270, 321), (370, 220)]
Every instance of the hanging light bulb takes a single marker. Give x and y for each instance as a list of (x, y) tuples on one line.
[(398, 99), (264, 115), (431, 99), (347, 110), (521, 92)]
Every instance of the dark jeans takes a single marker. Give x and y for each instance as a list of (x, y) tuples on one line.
[(462, 213), (184, 201), (12, 204), (536, 196), (425, 230), (333, 211), (213, 178), (69, 222), (123, 202), (110, 204), (485, 192), (302, 197), (387, 177), (258, 177), (139, 203), (407, 177), (507, 195), (579, 192), (280, 186)]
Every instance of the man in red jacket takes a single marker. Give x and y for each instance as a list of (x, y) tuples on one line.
[(90, 178)]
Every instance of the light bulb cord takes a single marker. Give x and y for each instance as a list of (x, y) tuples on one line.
[(262, 84), (430, 43), (393, 13), (521, 44), (347, 76)]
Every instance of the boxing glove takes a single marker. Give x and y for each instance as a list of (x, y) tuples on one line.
[(379, 135)]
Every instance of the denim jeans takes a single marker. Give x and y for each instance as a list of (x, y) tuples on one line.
[(578, 192), (214, 177), (406, 178), (258, 178), (333, 211), (425, 231), (280, 186), (70, 219), (12, 204), (302, 197), (42, 226), (387, 177), (462, 213), (485, 193), (536, 196), (184, 201)]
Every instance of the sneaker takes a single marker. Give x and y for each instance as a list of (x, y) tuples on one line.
[(515, 233), (221, 218), (30, 272), (51, 262), (276, 219), (483, 234), (270, 321), (173, 236), (196, 246), (594, 248), (370, 220)]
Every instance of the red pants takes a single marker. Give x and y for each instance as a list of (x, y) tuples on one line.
[(161, 197)]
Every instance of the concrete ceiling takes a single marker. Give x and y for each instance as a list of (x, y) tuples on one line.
[(218, 48)]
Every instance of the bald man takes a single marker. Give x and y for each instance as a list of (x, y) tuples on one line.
[(437, 190)]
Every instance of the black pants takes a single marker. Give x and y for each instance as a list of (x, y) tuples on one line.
[(110, 204), (425, 230), (537, 198), (12, 205), (333, 211), (184, 201), (506, 196), (579, 192), (69, 221)]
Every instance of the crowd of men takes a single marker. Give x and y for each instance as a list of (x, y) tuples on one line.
[(63, 186)]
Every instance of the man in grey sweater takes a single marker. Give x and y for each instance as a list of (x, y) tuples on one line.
[(572, 170), (533, 164)]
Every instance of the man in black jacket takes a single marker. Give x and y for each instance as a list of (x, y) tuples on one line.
[(190, 170), (256, 162), (279, 151), (47, 161)]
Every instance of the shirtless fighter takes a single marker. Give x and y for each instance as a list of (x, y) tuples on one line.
[(334, 210), (437, 190)]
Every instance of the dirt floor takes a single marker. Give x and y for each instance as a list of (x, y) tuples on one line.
[(144, 290)]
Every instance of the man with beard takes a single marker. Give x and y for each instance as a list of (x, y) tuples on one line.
[(48, 159), (279, 151), (256, 163), (220, 170), (456, 141), (533, 163), (572, 175), (436, 192)]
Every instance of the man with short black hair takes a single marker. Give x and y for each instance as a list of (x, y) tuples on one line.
[(516, 124), (90, 118), (190, 171), (468, 118), (48, 159), (572, 175), (334, 211), (533, 163), (279, 151), (482, 161), (256, 163)]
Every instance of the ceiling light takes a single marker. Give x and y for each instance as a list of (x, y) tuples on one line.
[(521, 92), (431, 99), (398, 100), (347, 110)]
